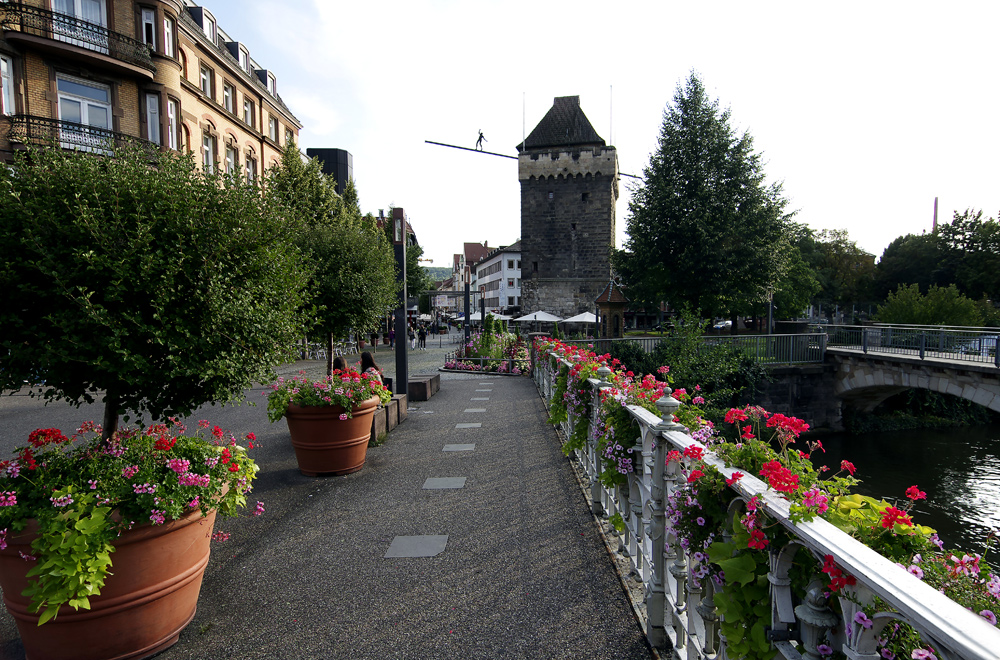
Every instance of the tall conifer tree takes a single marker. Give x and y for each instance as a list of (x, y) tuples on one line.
[(705, 230)]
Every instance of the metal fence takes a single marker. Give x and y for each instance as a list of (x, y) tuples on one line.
[(765, 349), (680, 611), (965, 345)]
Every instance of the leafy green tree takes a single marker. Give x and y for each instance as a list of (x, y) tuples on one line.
[(910, 259), (305, 190), (844, 270), (939, 306), (353, 280), (154, 288), (704, 229)]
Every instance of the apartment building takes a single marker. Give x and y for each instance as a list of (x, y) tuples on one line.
[(498, 275), (90, 73)]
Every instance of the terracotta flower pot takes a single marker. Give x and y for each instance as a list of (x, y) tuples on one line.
[(326, 444), (150, 597)]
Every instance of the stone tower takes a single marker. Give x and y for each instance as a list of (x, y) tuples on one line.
[(569, 186)]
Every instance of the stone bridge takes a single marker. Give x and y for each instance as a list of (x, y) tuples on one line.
[(866, 380)]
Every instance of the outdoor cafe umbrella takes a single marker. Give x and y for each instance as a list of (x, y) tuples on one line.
[(586, 317), (538, 316)]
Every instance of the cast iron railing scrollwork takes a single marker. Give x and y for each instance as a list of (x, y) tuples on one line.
[(45, 132), (75, 31)]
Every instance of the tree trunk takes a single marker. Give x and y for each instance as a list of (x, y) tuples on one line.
[(110, 424), (733, 330)]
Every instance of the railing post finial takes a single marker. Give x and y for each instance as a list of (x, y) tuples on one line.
[(668, 406)]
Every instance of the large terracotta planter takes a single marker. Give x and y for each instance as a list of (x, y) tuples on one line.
[(151, 596), (326, 444)]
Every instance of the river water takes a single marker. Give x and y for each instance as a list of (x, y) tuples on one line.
[(958, 468)]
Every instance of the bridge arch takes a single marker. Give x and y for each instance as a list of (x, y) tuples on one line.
[(864, 381)]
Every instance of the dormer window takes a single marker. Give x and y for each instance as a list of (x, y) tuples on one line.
[(244, 59), (271, 85), (209, 26)]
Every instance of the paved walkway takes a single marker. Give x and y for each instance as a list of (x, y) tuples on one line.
[(518, 570)]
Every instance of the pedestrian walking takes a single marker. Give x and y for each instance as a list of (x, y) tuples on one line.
[(413, 337), (392, 338), (422, 334)]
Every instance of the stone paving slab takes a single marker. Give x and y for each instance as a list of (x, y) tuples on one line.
[(427, 545), (441, 483)]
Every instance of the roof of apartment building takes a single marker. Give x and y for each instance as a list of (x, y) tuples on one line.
[(503, 249), (224, 47)]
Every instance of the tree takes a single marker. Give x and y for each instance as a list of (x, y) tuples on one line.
[(910, 259), (704, 229), (353, 269), (844, 270), (939, 306), (156, 288)]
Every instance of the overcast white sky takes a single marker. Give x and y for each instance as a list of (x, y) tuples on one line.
[(866, 110)]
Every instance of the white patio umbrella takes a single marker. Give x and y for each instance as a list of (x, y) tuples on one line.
[(586, 317), (538, 316)]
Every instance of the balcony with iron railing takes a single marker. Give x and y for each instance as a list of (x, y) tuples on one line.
[(680, 609), (45, 132), (75, 38)]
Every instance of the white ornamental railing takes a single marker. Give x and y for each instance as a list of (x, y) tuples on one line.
[(682, 614)]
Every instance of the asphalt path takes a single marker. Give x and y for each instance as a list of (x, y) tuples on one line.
[(524, 573)]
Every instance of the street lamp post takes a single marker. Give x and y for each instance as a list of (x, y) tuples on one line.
[(399, 246), (468, 283)]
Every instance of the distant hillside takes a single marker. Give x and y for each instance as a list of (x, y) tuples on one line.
[(438, 273)]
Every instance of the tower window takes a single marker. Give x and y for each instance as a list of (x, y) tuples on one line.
[(552, 196), (585, 196), (573, 224)]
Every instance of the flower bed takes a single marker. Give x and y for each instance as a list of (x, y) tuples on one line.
[(733, 536), (492, 351)]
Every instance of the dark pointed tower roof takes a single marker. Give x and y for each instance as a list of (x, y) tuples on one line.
[(564, 125)]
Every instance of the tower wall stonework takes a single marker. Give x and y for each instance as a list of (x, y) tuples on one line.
[(567, 227)]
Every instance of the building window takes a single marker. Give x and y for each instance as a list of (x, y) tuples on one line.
[(149, 28), (510, 282), (168, 37), (91, 11), (172, 123), (207, 153), (510, 301), (251, 168), (228, 97), (519, 264), (244, 59), (210, 28), (272, 85), (206, 81), (86, 103), (289, 136), (153, 118), (272, 128), (248, 112), (231, 160), (6, 85)]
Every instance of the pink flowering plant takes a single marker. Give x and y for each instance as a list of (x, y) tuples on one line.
[(345, 388), (83, 492)]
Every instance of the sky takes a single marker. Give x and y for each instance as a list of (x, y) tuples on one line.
[(866, 111)]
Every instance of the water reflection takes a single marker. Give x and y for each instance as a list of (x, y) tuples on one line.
[(958, 468)]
